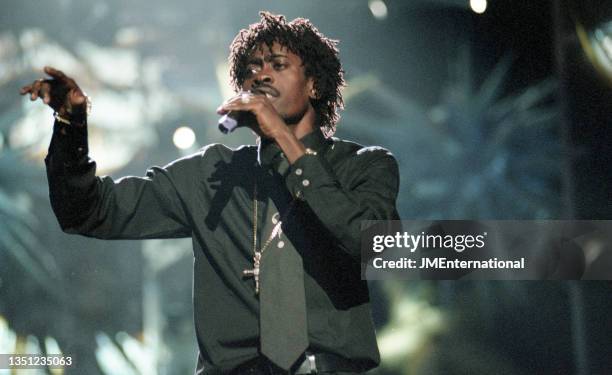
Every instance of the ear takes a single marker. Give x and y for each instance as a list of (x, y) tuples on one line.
[(310, 86)]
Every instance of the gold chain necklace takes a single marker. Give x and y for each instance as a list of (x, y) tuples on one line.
[(254, 272)]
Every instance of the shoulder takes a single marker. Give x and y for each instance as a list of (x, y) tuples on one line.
[(218, 152), (210, 155), (221, 151), (358, 153)]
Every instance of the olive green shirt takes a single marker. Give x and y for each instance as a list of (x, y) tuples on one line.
[(209, 195)]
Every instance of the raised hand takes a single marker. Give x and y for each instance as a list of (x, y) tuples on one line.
[(269, 123), (60, 92)]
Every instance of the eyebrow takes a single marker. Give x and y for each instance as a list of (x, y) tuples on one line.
[(257, 60)]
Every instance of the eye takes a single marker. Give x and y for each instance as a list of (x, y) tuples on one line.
[(278, 66), (251, 70)]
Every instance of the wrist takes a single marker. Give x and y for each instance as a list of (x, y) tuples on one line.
[(291, 146), (283, 136), (71, 120), (77, 113)]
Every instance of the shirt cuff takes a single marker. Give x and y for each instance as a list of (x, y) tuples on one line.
[(70, 142)]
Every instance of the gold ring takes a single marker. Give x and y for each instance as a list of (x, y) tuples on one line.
[(245, 97)]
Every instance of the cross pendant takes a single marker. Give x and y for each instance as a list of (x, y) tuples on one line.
[(255, 271)]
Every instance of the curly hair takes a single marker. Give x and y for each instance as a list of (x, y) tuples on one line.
[(319, 56)]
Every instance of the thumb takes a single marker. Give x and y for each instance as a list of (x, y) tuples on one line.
[(76, 96)]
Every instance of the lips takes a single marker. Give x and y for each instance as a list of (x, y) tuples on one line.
[(269, 91)]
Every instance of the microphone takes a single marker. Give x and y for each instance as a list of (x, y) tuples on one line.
[(229, 121), (235, 119)]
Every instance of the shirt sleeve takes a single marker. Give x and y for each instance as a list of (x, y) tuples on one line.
[(129, 208), (369, 194)]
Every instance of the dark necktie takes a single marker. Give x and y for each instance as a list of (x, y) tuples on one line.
[(283, 324)]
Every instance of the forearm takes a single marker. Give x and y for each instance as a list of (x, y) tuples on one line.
[(70, 174), (342, 206), (290, 145)]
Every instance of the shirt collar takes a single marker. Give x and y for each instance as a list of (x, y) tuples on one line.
[(268, 150), (315, 140)]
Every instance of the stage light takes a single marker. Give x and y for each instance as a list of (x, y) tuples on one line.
[(478, 6), (378, 9), (595, 35), (184, 137)]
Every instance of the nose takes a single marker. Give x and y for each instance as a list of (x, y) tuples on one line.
[(263, 77)]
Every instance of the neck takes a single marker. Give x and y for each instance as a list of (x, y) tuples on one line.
[(305, 125)]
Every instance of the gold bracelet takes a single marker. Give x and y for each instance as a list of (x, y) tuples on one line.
[(64, 120), (61, 119), (309, 151)]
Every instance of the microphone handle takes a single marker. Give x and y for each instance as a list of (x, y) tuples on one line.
[(234, 119)]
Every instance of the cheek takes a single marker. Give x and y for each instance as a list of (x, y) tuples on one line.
[(300, 93), (246, 85), (297, 102)]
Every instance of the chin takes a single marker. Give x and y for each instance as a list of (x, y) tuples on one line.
[(295, 118)]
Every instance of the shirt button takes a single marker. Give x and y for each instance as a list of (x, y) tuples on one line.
[(298, 171), (305, 182), (280, 244)]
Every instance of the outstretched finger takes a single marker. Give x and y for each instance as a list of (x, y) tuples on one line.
[(45, 92), (35, 92), (25, 89), (54, 72)]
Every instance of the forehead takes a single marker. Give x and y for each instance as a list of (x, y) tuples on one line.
[(263, 51)]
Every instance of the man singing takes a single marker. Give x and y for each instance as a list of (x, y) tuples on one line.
[(275, 226)]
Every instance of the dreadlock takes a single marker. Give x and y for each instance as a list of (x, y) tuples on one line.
[(318, 53)]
